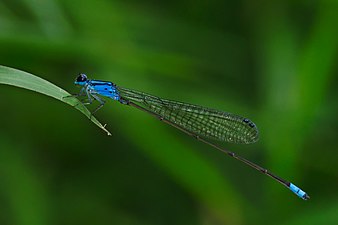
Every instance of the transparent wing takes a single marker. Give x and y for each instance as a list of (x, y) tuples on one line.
[(199, 120)]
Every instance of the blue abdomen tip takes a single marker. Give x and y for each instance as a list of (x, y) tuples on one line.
[(299, 192)]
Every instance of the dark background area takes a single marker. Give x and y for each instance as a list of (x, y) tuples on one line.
[(274, 62)]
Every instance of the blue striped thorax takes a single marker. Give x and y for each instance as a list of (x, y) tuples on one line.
[(104, 88)]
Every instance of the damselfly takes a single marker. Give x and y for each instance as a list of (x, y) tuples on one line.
[(197, 121)]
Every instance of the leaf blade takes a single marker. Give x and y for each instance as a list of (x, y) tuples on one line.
[(22, 79)]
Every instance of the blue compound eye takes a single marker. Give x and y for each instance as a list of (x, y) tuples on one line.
[(81, 78)]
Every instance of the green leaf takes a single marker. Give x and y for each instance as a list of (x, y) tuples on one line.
[(29, 81)]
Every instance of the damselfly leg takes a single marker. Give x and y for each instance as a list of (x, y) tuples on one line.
[(88, 99)]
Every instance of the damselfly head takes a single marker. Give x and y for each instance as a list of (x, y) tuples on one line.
[(81, 79)]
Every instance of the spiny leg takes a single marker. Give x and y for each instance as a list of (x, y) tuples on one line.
[(101, 101), (86, 101), (86, 91), (81, 93)]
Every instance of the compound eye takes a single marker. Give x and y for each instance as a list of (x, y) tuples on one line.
[(81, 78)]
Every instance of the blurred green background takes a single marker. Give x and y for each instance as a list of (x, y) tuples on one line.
[(274, 62)]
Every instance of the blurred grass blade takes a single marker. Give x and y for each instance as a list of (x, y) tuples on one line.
[(28, 81), (323, 213)]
